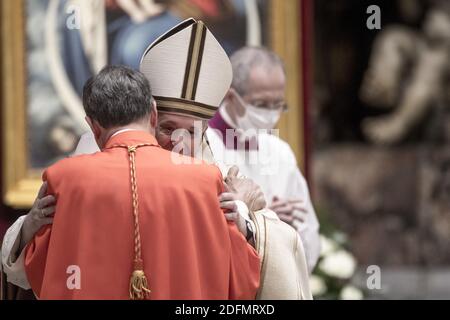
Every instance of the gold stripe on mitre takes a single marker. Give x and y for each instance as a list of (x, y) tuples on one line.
[(194, 60), (185, 107)]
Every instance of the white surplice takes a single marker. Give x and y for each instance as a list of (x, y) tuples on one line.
[(273, 166), (13, 265)]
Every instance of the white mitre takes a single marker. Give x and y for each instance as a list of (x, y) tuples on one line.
[(188, 70)]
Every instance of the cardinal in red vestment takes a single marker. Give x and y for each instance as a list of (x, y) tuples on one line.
[(132, 222)]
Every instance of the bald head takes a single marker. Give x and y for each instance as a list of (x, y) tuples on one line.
[(256, 98), (246, 59)]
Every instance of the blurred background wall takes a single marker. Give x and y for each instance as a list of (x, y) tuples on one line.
[(380, 125)]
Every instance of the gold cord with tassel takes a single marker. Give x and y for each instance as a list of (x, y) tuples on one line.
[(138, 282), (139, 289)]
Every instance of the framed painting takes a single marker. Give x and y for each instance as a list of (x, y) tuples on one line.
[(51, 47)]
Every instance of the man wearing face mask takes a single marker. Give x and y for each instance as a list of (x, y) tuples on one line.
[(249, 112)]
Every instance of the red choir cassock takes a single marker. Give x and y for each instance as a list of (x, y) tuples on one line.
[(187, 248)]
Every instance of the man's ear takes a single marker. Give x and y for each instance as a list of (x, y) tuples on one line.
[(95, 127), (153, 115)]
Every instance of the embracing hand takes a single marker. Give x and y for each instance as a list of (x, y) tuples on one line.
[(244, 189), (39, 215)]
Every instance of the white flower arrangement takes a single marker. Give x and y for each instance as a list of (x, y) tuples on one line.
[(317, 285), (334, 270), (351, 293), (339, 264)]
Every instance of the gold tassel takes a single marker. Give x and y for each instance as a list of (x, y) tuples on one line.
[(138, 286), (138, 282)]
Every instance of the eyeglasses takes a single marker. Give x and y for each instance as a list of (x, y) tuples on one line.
[(282, 105)]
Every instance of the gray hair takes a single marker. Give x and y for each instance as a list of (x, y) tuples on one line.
[(247, 58), (117, 96)]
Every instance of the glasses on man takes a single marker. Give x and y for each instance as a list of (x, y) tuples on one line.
[(282, 105)]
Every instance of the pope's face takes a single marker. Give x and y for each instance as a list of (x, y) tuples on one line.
[(180, 134)]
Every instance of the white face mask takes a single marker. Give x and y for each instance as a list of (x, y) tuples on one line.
[(257, 118)]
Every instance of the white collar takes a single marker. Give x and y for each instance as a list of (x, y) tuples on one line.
[(122, 130)]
